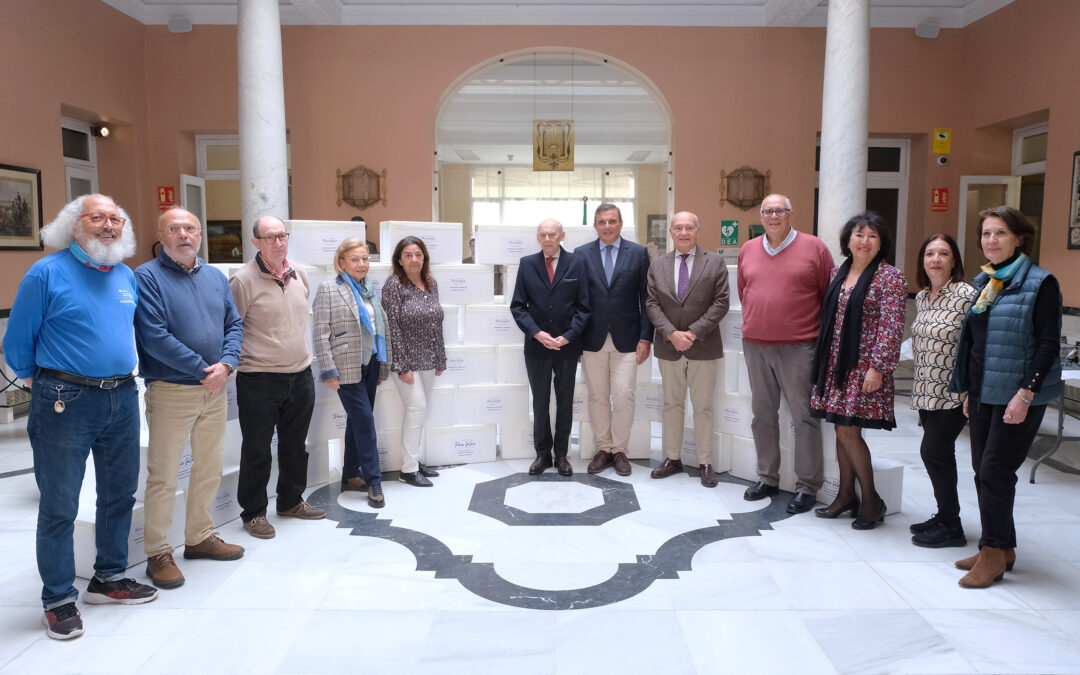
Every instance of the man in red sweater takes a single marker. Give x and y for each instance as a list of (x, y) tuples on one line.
[(782, 280)]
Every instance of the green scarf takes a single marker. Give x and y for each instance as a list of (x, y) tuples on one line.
[(998, 279)]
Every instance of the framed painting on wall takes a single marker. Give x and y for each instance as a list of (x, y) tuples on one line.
[(1074, 204), (20, 208)]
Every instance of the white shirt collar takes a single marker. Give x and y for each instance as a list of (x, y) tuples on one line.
[(784, 244)]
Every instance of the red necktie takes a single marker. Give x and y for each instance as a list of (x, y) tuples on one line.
[(551, 270)]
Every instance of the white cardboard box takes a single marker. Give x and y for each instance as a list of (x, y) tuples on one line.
[(734, 301), (509, 281), (469, 364), (505, 244), (732, 414), (516, 440), (493, 403), (491, 325), (443, 240), (649, 402), (742, 374), (888, 481), (389, 447), (328, 420), (389, 411), (442, 405), (638, 447), (183, 471), (451, 324), (85, 537), (510, 364), (461, 444), (720, 452), (377, 275), (225, 507), (731, 330), (465, 284), (743, 458), (314, 242)]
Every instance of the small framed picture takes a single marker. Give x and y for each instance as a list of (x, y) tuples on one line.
[(20, 208), (1074, 204)]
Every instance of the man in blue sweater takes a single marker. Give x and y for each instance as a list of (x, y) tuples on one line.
[(188, 334), (69, 338)]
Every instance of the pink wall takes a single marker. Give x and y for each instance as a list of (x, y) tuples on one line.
[(369, 95)]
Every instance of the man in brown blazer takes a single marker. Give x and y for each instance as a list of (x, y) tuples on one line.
[(688, 295)]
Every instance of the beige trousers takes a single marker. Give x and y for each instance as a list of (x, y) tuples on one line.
[(175, 412), (611, 376), (699, 378)]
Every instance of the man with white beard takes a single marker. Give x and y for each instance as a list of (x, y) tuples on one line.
[(70, 338)]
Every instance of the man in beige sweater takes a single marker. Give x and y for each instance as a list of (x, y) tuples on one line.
[(274, 385)]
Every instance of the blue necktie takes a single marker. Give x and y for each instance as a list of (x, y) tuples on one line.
[(609, 264)]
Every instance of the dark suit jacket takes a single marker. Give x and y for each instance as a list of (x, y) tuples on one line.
[(560, 308), (700, 311), (618, 309)]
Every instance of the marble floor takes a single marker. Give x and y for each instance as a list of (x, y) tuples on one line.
[(493, 572)]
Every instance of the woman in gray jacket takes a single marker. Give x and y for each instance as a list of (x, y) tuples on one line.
[(349, 333)]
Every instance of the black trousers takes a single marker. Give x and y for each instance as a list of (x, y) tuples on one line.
[(997, 452), (940, 431), (267, 401), (542, 370)]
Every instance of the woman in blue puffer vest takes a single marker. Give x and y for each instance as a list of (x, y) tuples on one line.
[(1008, 364)]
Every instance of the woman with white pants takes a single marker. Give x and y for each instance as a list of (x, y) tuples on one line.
[(410, 299)]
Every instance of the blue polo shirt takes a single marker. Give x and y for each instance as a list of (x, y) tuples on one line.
[(71, 317)]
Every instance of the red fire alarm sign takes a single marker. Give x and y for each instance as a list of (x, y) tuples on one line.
[(939, 200)]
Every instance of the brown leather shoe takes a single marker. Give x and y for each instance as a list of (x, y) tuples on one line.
[(622, 464), (563, 466), (354, 484), (163, 571), (539, 464), (989, 567), (213, 548), (260, 528), (304, 511), (669, 467), (601, 461), (968, 563), (708, 476)]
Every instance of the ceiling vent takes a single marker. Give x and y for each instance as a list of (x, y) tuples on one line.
[(467, 155), (638, 155)]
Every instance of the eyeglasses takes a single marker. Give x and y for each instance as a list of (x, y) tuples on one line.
[(190, 230), (776, 212), (279, 238), (359, 259), (99, 218)]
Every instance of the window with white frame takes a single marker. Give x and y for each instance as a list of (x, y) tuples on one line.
[(519, 195), (80, 158)]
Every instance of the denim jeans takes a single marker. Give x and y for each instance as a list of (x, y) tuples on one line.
[(267, 401), (361, 451), (105, 422)]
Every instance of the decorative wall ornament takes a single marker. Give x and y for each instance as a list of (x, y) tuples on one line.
[(553, 145), (1074, 205), (361, 187), (744, 187)]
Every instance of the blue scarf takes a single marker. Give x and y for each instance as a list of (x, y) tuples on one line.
[(997, 281), (85, 259), (378, 329)]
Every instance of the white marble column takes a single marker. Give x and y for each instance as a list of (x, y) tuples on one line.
[(844, 118), (264, 181)]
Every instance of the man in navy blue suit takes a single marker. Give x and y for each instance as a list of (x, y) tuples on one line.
[(617, 336), (551, 306)]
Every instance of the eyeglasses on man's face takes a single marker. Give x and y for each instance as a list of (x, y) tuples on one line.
[(101, 218), (775, 212), (279, 238), (190, 230)]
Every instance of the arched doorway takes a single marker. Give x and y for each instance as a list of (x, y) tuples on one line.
[(483, 143)]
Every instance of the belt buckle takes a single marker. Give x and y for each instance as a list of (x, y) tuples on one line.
[(107, 384)]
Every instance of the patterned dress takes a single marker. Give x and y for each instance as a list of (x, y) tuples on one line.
[(879, 348), (935, 336)]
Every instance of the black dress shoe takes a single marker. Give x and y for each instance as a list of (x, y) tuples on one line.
[(924, 526), (669, 467), (414, 478), (427, 471), (801, 503), (941, 536), (860, 524), (760, 491), (564, 467), (539, 464), (851, 507), (708, 476)]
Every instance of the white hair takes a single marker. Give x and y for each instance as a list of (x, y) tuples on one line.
[(787, 202), (62, 231)]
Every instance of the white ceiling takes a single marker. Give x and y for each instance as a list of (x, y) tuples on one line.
[(884, 13)]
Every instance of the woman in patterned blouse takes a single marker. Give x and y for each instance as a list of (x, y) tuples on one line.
[(942, 304), (858, 347), (410, 298)]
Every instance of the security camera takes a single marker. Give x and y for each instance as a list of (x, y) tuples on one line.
[(942, 160)]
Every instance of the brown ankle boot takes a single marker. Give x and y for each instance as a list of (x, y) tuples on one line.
[(989, 567), (968, 563)]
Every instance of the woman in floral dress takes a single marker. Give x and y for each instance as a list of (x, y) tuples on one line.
[(858, 347)]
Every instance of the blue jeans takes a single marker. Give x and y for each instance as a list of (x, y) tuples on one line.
[(361, 451), (107, 423)]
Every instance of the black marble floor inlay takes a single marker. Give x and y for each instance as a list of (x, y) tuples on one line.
[(489, 499), (629, 579)]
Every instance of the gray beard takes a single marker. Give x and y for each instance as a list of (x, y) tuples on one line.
[(108, 254)]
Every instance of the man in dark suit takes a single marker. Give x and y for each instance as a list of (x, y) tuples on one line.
[(551, 306), (688, 295), (617, 336)]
